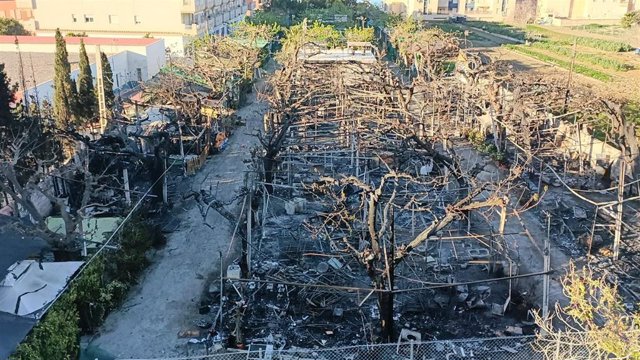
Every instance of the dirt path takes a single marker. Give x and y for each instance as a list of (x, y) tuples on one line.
[(166, 300)]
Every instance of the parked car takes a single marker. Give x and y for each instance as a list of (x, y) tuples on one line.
[(457, 18)]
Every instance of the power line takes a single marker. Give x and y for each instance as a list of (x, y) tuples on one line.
[(106, 243)]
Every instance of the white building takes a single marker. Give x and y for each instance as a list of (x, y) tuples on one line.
[(175, 21), (132, 61)]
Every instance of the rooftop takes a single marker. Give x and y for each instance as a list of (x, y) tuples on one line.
[(38, 67), (71, 40)]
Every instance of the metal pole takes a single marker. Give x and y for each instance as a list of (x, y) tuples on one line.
[(221, 289), (127, 192), (618, 230), (249, 237), (102, 104), (547, 267)]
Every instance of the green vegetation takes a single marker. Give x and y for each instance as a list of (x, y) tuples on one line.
[(356, 34), (561, 49), (101, 288), (630, 19), (63, 96), (340, 13), (12, 27), (479, 142), (499, 28), (107, 81), (57, 336), (580, 69), (86, 95), (566, 39), (262, 17), (600, 29)]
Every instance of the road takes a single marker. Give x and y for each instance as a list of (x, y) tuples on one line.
[(166, 300)]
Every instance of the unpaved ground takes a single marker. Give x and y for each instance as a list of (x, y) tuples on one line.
[(166, 300), (528, 247)]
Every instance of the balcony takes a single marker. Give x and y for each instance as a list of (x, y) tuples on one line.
[(188, 6)]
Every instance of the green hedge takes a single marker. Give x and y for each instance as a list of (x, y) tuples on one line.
[(580, 69), (566, 39), (499, 28), (99, 289), (561, 49)]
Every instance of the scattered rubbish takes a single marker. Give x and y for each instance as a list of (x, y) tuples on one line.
[(322, 267), (509, 349), (338, 312), (233, 271), (335, 263), (514, 330), (407, 335)]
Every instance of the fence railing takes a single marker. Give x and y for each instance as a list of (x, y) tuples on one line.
[(566, 347)]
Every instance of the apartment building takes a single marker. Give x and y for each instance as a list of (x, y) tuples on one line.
[(175, 21), (574, 12), (419, 7)]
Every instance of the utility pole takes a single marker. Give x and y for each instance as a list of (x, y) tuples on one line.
[(102, 105), (23, 82)]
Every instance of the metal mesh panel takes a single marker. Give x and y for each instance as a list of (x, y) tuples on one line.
[(559, 347)]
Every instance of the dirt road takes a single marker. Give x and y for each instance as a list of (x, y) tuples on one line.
[(166, 300)]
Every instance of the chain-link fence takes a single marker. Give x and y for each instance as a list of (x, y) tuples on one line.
[(504, 348), (565, 346)]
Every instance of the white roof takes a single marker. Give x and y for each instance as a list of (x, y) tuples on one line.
[(30, 286)]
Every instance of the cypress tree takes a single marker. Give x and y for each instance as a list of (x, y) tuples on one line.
[(6, 96), (86, 95), (107, 79), (63, 100)]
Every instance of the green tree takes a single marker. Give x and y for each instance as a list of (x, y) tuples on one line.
[(6, 96), (11, 27), (86, 95), (630, 19), (107, 80), (594, 325), (63, 100)]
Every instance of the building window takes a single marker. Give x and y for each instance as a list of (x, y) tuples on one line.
[(137, 19), (139, 74), (113, 19), (74, 18), (186, 2), (88, 18)]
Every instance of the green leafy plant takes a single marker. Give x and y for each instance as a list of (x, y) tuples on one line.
[(99, 289), (630, 19), (562, 49), (499, 28), (536, 31), (11, 27), (57, 335), (356, 34), (580, 69)]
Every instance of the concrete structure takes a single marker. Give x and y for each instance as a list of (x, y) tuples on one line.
[(175, 21), (576, 12), (557, 12), (418, 7), (253, 5), (132, 61)]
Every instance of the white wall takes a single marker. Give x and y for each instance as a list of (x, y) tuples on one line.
[(124, 66)]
